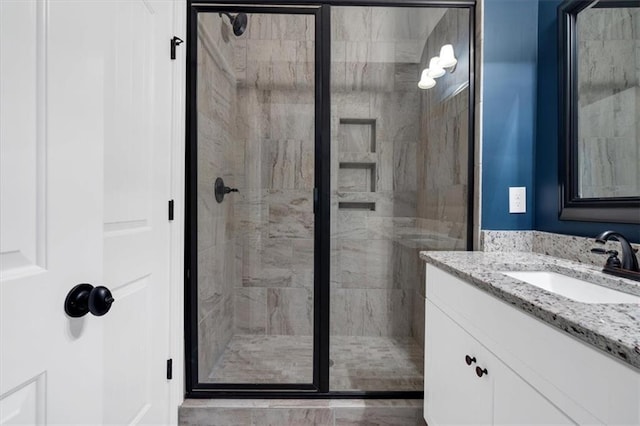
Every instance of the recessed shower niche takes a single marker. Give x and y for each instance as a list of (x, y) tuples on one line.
[(307, 281), (357, 158)]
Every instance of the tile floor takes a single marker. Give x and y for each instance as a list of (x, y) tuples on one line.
[(291, 412), (357, 363)]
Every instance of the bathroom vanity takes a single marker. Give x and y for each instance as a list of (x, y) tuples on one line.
[(500, 350)]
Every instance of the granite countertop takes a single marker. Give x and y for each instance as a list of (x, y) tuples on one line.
[(613, 328)]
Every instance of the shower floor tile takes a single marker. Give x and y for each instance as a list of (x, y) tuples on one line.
[(357, 363)]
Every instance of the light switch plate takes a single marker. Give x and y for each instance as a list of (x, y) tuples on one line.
[(517, 199)]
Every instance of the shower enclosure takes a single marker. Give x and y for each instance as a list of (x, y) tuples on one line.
[(317, 170)]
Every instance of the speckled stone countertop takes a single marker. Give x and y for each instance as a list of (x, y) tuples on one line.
[(613, 328)]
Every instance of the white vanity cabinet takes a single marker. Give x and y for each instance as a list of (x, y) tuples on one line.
[(455, 393), (535, 374)]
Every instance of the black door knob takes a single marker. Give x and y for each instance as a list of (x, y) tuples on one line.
[(469, 360), (481, 371), (85, 298), (100, 300)]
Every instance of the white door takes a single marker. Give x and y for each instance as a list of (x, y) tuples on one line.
[(85, 124)]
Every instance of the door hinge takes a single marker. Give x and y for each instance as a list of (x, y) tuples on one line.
[(175, 41), (169, 369), (170, 209)]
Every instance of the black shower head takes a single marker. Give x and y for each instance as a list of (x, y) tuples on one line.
[(238, 22)]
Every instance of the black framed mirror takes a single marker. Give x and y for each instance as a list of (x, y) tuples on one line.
[(599, 82)]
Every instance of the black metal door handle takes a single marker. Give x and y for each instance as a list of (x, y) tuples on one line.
[(85, 298), (469, 360)]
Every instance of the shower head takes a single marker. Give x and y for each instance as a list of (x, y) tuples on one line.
[(238, 22)]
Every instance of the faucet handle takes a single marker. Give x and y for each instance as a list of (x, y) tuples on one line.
[(612, 261), (599, 250)]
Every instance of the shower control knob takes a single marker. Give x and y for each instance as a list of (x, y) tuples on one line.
[(220, 190)]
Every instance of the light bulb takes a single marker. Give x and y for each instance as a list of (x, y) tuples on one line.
[(447, 58), (426, 82), (435, 70)]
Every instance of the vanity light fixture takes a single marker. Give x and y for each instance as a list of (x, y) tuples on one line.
[(447, 58), (435, 70), (426, 82)]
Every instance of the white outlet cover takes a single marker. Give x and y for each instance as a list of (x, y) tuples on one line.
[(517, 199)]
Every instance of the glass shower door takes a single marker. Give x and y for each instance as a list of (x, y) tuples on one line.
[(400, 183), (255, 97)]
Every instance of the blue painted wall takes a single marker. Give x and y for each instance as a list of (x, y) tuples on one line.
[(546, 158), (509, 110)]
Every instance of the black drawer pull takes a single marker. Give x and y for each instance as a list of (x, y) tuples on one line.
[(481, 372), (469, 360)]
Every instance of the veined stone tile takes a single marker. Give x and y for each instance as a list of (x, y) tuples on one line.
[(266, 277), (292, 27), (347, 312), (293, 417), (250, 311), (217, 417), (303, 253), (290, 311), (351, 24), (259, 26), (379, 416), (387, 313), (367, 264), (290, 214)]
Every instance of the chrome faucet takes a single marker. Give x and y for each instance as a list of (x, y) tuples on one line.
[(629, 260)]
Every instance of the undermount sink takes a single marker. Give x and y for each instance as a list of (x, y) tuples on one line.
[(572, 288)]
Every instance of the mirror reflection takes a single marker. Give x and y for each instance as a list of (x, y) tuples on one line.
[(608, 100)]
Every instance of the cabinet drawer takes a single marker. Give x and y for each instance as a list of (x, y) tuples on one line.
[(579, 379)]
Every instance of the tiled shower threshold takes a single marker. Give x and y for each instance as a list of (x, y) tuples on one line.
[(291, 412), (356, 363)]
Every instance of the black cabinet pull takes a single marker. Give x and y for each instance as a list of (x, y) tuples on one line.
[(481, 372), (469, 360)]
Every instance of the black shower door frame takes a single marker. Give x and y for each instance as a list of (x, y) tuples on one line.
[(321, 11), (321, 214)]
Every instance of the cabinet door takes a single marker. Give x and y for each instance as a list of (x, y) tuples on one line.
[(454, 394), (517, 403)]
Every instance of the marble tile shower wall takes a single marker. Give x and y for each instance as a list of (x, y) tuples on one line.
[(274, 64), (609, 83), (217, 266), (442, 156), (259, 119), (374, 132)]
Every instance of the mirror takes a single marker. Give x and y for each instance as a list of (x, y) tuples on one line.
[(600, 110)]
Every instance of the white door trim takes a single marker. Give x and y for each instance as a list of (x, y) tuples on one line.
[(177, 228)]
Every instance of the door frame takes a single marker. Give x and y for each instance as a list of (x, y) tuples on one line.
[(319, 388), (177, 238)]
